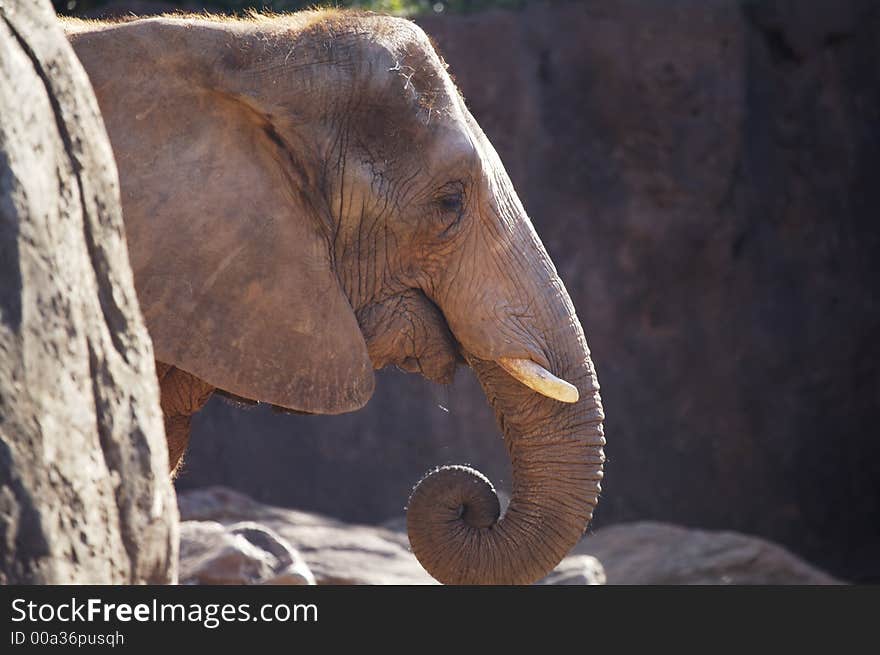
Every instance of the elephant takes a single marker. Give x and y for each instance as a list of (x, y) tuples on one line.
[(307, 198)]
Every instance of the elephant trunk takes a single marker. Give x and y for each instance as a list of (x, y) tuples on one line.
[(556, 452)]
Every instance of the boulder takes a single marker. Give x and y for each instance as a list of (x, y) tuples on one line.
[(576, 570), (241, 553), (650, 553), (84, 489)]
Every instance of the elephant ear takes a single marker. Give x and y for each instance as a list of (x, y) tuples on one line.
[(232, 262)]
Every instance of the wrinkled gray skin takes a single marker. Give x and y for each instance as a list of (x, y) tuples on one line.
[(308, 198)]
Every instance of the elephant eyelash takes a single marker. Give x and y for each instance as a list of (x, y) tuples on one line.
[(450, 201)]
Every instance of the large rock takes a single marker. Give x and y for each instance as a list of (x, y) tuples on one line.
[(576, 570), (704, 176), (648, 553), (241, 553), (84, 489)]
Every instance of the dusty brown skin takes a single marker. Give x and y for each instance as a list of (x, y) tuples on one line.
[(307, 198)]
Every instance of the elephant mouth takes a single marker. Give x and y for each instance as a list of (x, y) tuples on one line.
[(409, 331)]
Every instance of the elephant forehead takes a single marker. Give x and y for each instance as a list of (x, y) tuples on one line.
[(443, 149)]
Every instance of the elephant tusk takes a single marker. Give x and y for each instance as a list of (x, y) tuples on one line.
[(539, 379)]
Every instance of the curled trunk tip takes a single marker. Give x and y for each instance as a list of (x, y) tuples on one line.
[(444, 509)]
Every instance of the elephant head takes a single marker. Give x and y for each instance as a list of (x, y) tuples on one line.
[(308, 198)]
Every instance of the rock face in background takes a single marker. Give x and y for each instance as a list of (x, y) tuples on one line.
[(704, 176), (84, 490), (217, 549)]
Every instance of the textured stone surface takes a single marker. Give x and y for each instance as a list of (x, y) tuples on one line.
[(704, 176), (657, 553), (577, 570), (84, 490), (241, 553)]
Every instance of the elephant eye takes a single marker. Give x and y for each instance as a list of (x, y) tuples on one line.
[(450, 201)]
